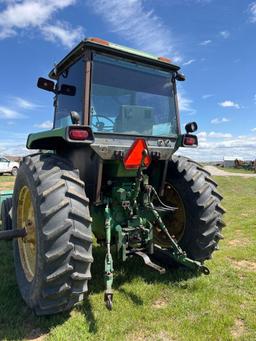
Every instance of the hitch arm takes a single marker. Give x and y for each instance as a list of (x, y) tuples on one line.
[(11, 234), (108, 295), (176, 252)]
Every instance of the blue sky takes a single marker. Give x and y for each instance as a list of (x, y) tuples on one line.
[(213, 41)]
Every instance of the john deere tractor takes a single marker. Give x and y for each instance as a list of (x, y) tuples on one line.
[(107, 169)]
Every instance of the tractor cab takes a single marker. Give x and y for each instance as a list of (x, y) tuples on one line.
[(118, 92), (116, 89)]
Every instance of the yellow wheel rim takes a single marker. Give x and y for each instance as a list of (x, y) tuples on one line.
[(27, 245), (174, 221)]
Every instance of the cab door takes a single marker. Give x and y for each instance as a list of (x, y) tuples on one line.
[(73, 76)]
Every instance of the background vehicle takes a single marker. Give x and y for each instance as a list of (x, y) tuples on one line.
[(110, 171), (7, 166)]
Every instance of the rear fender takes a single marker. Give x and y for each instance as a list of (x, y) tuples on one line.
[(57, 138)]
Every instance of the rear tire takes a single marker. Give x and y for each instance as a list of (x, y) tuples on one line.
[(63, 238), (5, 214), (201, 203)]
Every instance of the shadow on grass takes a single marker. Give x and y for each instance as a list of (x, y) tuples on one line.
[(133, 268), (17, 321), (126, 272)]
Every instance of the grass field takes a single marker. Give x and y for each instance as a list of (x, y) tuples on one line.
[(6, 182), (176, 306)]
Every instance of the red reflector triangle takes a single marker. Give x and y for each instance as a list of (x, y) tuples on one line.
[(133, 157)]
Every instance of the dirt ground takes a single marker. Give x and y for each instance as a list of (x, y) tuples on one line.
[(219, 172)]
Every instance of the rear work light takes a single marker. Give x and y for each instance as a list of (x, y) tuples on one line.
[(133, 158), (190, 141), (164, 59), (78, 134), (99, 41)]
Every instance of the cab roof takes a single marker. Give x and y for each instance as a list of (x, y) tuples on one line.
[(111, 48)]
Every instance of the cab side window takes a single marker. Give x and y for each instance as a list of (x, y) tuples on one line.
[(74, 76)]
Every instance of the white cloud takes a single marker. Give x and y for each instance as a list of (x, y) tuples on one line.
[(205, 42), (215, 135), (202, 136), (141, 27), (189, 62), (225, 34), (32, 14), (254, 98), (206, 96), (7, 113), (63, 33), (215, 151), (253, 130), (252, 11), (229, 104), (13, 143), (185, 103), (218, 120), (6, 32), (11, 148), (25, 104), (44, 125)]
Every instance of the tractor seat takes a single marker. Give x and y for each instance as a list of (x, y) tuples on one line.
[(135, 119)]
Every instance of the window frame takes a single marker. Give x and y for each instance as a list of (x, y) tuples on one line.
[(111, 55), (86, 72)]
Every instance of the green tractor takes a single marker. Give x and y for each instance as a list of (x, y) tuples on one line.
[(107, 169)]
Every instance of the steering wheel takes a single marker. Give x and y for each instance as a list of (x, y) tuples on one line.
[(101, 125)]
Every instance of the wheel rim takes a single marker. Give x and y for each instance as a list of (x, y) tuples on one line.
[(27, 245), (175, 221)]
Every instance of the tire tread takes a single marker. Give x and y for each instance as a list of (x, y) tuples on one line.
[(66, 233), (208, 210)]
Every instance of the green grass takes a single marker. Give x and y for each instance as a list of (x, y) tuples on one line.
[(236, 170), (175, 306), (6, 178), (6, 182)]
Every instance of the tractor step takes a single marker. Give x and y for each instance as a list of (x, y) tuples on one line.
[(149, 263), (11, 234)]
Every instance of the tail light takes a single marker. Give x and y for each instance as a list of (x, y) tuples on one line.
[(133, 158), (76, 134), (190, 141), (80, 133)]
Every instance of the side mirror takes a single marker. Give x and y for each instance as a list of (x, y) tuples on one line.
[(46, 84), (68, 90), (191, 127), (180, 77)]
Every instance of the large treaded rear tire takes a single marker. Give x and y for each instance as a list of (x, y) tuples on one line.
[(5, 216), (204, 214), (63, 234)]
